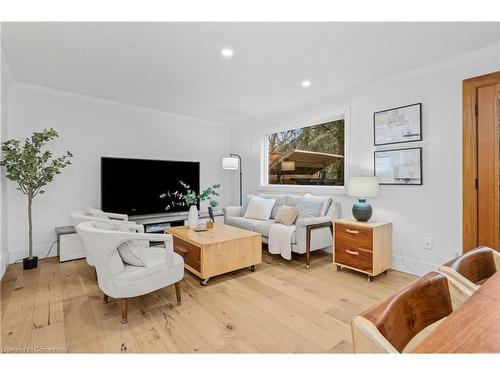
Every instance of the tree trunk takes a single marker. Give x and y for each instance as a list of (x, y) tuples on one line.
[(30, 228)]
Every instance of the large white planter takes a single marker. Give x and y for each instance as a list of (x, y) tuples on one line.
[(193, 216)]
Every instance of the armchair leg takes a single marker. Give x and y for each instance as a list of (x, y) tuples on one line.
[(178, 292), (124, 310), (105, 299)]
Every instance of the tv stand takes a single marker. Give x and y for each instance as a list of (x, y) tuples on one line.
[(157, 223)]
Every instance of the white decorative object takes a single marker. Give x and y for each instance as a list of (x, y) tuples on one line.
[(193, 216), (259, 208)]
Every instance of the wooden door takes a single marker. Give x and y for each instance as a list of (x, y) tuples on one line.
[(481, 211), (488, 166)]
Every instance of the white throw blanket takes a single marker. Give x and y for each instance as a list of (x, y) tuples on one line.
[(280, 240)]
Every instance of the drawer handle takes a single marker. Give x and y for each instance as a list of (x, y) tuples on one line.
[(352, 252), (181, 250), (352, 231)]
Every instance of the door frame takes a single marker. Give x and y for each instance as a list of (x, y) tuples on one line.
[(469, 155)]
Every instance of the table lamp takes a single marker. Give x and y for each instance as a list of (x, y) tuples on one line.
[(362, 187)]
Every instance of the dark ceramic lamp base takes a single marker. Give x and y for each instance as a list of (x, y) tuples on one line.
[(361, 210)]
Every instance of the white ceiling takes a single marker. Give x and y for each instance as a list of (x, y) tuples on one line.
[(177, 67)]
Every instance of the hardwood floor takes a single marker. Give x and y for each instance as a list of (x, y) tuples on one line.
[(280, 308)]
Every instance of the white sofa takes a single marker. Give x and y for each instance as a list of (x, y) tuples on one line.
[(312, 233)]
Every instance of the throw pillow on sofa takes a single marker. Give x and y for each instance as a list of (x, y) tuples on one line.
[(280, 201), (286, 215), (309, 208), (245, 204), (325, 200), (259, 208)]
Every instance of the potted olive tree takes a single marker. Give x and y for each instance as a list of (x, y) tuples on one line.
[(32, 168)]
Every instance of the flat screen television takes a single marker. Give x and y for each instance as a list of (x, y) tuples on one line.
[(144, 187)]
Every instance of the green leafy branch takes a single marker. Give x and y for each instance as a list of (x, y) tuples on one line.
[(29, 166)]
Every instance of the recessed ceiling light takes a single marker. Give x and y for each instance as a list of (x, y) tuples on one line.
[(306, 83), (227, 52)]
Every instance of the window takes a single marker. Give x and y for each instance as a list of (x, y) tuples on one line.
[(312, 155)]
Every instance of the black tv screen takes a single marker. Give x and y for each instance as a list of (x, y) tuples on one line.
[(143, 187)]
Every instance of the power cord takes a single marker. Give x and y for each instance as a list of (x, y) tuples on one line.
[(50, 248)]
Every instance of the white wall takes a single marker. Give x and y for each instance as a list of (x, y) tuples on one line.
[(432, 210), (4, 259), (91, 128)]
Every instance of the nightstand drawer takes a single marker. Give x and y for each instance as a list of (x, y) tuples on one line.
[(190, 253), (353, 236), (359, 258)]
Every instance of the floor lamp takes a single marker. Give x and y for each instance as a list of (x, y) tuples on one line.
[(233, 162)]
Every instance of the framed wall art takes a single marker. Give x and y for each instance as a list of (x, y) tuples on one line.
[(399, 166), (398, 125)]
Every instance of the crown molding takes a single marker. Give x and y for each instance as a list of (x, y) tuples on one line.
[(450, 63)]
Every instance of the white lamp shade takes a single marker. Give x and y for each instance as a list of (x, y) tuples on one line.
[(230, 163), (363, 187)]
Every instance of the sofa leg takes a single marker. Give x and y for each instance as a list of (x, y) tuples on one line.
[(308, 246), (178, 292), (105, 299), (124, 310)]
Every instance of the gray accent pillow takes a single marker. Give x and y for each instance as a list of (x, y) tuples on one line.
[(325, 200), (309, 208), (292, 200), (286, 215), (280, 201)]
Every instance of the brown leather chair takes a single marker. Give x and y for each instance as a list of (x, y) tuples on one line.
[(391, 325), (473, 268)]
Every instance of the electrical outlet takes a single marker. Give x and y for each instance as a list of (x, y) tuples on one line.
[(428, 243)]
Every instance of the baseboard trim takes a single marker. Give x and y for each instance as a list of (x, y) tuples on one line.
[(4, 262), (16, 255), (412, 266)]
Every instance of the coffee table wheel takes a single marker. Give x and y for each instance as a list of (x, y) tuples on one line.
[(204, 282), (338, 268), (370, 278), (252, 268)]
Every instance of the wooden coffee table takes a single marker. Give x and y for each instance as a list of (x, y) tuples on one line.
[(218, 250)]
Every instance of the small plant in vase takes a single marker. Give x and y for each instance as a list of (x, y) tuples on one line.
[(190, 199), (209, 195)]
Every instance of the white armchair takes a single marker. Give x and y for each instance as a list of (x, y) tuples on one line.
[(120, 280), (81, 216)]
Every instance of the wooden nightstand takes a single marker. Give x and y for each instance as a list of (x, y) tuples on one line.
[(364, 247)]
